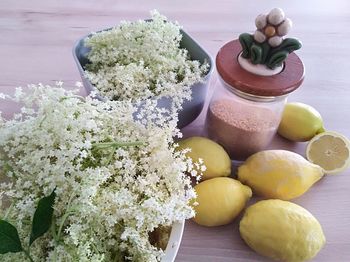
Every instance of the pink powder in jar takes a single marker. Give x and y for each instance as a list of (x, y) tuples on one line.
[(240, 128)]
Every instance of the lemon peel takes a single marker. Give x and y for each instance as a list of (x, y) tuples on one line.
[(220, 200), (282, 230), (279, 174), (300, 122)]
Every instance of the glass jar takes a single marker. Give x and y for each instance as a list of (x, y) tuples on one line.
[(245, 110), (241, 123)]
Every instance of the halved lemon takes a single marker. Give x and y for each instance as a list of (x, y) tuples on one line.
[(330, 150)]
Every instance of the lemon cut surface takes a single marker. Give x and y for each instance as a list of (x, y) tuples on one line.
[(329, 150)]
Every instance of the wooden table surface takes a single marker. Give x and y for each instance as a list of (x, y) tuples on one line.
[(36, 38)]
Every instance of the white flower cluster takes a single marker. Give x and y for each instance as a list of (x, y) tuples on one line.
[(142, 59), (116, 178)]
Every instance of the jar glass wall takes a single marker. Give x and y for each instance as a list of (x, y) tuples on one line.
[(242, 123)]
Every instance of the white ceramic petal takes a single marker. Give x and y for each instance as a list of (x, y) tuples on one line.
[(276, 16), (285, 27), (261, 21), (259, 36), (275, 41)]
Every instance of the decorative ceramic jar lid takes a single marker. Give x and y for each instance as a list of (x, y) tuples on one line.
[(263, 64)]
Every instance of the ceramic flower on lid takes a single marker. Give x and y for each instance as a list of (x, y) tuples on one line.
[(268, 45)]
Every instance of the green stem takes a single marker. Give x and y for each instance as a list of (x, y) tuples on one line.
[(8, 211), (42, 120), (70, 200), (109, 160), (116, 144), (92, 244), (321, 130), (53, 231), (72, 96), (64, 218), (26, 252), (54, 255)]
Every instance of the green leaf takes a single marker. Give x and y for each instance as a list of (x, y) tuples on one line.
[(42, 217), (277, 59), (290, 45), (9, 239), (246, 41), (265, 51), (256, 54)]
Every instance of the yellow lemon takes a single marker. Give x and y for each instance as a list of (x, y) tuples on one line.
[(300, 122), (279, 174), (331, 151), (282, 230), (215, 158), (219, 200)]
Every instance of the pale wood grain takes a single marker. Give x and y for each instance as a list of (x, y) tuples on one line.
[(36, 38)]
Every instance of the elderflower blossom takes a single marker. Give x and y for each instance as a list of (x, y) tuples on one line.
[(112, 196), (142, 59)]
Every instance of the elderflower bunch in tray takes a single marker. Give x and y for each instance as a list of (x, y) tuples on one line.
[(146, 59), (82, 180)]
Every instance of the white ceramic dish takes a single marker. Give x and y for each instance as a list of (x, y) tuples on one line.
[(174, 241)]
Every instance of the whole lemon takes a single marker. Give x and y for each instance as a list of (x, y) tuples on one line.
[(282, 230), (300, 122), (215, 158), (279, 174), (219, 200)]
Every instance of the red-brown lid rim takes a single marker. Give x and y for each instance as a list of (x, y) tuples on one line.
[(280, 84)]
